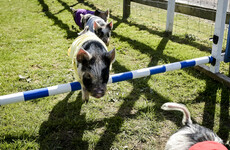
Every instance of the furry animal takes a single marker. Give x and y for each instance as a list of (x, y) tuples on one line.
[(190, 134), (98, 26), (77, 15), (91, 62)]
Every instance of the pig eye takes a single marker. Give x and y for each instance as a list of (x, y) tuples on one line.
[(87, 76), (101, 34), (87, 79), (92, 61)]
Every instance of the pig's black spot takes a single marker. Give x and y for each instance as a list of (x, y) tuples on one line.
[(105, 71), (94, 46), (108, 34), (99, 33), (105, 75), (85, 65), (106, 59), (92, 60), (87, 81)]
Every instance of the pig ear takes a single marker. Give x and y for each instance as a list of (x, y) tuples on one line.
[(96, 26), (107, 13), (97, 12), (83, 55), (112, 55), (110, 25)]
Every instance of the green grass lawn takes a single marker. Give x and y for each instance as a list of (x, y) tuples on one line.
[(35, 36)]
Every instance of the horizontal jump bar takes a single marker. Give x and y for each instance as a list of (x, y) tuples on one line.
[(74, 86)]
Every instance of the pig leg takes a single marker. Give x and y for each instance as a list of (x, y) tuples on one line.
[(85, 95)]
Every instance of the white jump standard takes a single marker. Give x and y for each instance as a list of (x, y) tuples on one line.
[(74, 86)]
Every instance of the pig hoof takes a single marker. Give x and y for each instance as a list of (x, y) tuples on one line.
[(85, 100)]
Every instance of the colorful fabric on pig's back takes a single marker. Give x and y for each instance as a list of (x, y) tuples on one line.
[(78, 13), (208, 145), (77, 44), (80, 40)]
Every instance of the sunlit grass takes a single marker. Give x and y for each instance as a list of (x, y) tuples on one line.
[(35, 36)]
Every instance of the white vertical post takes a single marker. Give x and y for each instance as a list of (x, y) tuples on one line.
[(218, 34), (170, 16)]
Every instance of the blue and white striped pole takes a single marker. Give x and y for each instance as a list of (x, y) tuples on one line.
[(74, 86)]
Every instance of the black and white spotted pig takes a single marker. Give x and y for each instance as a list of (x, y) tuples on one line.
[(98, 26), (91, 61)]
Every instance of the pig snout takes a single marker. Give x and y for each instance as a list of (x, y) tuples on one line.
[(98, 92)]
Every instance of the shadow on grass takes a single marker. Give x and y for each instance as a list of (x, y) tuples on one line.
[(209, 97), (224, 115), (56, 20), (211, 86), (66, 126)]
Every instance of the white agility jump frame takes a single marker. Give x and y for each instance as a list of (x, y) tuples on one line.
[(218, 32), (214, 59)]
